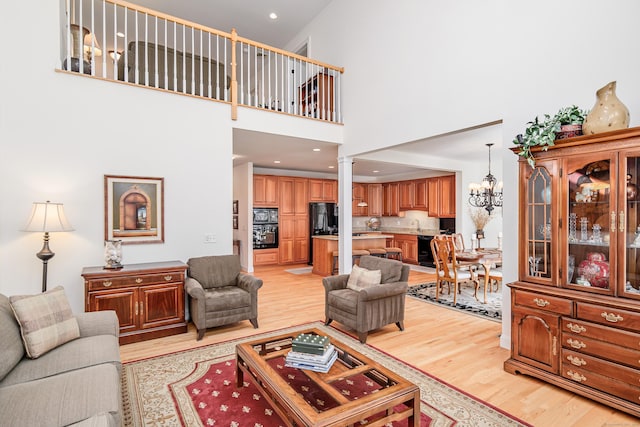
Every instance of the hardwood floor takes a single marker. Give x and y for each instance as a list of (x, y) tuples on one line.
[(460, 349)]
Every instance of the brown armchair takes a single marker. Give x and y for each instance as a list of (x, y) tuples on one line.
[(372, 307), (219, 293)]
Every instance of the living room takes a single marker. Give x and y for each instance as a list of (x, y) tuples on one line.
[(61, 134)]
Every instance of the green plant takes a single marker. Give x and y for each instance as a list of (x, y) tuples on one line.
[(542, 133)]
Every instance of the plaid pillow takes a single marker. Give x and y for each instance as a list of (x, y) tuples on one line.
[(46, 320)]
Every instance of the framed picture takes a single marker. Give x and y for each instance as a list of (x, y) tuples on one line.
[(235, 222), (235, 207), (134, 209)]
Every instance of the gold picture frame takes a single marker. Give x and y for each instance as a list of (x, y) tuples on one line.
[(134, 209)]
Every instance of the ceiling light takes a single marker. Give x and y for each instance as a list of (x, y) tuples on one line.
[(120, 34), (276, 161), (331, 167), (376, 171), (316, 149), (273, 15)]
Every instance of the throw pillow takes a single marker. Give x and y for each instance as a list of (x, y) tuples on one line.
[(361, 278), (45, 319)]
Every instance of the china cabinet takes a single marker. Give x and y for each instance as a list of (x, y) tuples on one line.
[(576, 305)]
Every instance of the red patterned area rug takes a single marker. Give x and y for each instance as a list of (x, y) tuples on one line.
[(197, 388)]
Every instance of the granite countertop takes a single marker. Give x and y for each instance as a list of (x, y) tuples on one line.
[(399, 230), (359, 237)]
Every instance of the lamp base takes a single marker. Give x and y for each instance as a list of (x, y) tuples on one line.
[(113, 267)]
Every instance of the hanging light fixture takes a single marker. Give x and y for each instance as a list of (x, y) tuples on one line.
[(487, 195), (362, 203)]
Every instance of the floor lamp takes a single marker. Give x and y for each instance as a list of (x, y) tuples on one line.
[(47, 217)]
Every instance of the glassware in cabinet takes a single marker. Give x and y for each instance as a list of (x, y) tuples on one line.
[(540, 228), (589, 203)]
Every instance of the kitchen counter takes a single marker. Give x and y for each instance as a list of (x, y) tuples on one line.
[(324, 245), (390, 230)]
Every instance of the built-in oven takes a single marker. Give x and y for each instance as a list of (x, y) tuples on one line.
[(265, 228)]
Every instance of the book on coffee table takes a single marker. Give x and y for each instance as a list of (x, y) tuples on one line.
[(317, 366), (310, 343)]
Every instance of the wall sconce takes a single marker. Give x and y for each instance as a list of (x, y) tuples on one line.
[(47, 217)]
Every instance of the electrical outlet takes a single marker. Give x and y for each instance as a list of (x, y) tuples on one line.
[(210, 238)]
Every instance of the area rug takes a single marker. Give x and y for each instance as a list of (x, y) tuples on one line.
[(197, 388), (466, 302), (301, 270)]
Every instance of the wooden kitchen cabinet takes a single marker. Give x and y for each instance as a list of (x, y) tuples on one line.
[(409, 245), (359, 194), (147, 298), (576, 304), (413, 195), (441, 191), (390, 202), (374, 199), (293, 195), (265, 191), (323, 190)]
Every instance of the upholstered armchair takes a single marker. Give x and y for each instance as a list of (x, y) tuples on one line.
[(370, 307), (219, 293)]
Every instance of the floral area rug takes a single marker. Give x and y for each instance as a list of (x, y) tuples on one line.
[(197, 388), (466, 302)]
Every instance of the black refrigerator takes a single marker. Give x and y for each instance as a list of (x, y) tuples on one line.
[(323, 220)]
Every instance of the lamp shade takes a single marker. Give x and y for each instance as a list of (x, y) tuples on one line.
[(47, 217)]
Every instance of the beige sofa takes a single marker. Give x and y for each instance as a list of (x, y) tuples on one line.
[(77, 383), (187, 66)]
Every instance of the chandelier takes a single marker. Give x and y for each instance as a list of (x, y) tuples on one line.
[(488, 194)]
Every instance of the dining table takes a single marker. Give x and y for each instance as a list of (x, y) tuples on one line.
[(485, 257)]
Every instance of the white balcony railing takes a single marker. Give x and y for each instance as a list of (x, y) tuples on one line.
[(120, 41)]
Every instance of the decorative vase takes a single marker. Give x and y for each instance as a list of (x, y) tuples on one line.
[(608, 113), (112, 254), (594, 270), (632, 189)]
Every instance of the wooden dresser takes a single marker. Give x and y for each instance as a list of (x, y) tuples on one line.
[(575, 318), (148, 298)]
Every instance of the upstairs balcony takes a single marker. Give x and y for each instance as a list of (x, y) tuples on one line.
[(122, 42)]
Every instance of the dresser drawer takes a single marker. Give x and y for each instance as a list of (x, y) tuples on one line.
[(134, 280), (608, 316), (601, 382), (543, 302), (601, 349), (601, 332), (593, 364)]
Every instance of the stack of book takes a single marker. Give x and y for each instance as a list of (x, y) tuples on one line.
[(312, 352)]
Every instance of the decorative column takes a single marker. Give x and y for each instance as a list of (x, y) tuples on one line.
[(345, 183)]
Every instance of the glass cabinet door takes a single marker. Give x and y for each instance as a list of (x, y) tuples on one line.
[(540, 229), (629, 225), (591, 223)]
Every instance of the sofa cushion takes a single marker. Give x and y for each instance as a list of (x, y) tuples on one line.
[(45, 319), (361, 278), (66, 399), (227, 298), (344, 300), (215, 271), (391, 270), (12, 348), (76, 354)]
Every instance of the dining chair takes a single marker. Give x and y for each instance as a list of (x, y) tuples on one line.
[(449, 270)]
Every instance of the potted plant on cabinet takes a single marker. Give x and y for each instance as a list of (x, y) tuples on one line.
[(543, 133)]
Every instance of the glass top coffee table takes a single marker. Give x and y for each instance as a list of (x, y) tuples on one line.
[(355, 388)]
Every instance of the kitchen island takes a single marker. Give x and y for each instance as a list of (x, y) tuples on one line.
[(323, 247)]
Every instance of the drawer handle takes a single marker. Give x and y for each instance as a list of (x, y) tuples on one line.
[(168, 278), (576, 360), (576, 376), (107, 283), (612, 317), (576, 328), (540, 302), (576, 344), (138, 280)]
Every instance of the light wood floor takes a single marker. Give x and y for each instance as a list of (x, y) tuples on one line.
[(460, 349)]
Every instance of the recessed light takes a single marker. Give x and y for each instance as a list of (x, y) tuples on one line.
[(120, 34), (276, 161), (332, 167), (375, 171), (273, 15), (316, 149)]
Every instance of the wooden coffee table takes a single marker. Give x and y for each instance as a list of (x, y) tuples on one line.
[(395, 398)]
